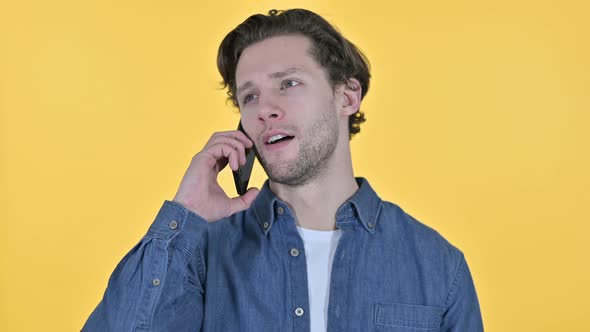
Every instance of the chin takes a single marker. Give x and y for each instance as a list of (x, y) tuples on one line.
[(290, 175)]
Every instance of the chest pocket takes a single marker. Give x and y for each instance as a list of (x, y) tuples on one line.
[(398, 317)]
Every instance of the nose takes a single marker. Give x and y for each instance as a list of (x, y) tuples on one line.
[(269, 109)]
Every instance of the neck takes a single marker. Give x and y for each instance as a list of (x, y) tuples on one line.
[(315, 203)]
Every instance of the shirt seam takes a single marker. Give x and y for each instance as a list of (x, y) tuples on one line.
[(455, 284)]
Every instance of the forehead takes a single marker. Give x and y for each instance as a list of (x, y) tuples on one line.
[(276, 54)]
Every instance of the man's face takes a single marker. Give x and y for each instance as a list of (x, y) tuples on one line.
[(287, 107)]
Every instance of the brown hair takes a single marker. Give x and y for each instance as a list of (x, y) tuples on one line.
[(341, 58)]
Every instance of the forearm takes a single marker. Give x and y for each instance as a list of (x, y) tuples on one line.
[(158, 284)]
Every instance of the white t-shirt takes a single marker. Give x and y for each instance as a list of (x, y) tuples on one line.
[(320, 247)]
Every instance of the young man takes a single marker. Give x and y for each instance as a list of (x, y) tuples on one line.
[(315, 249)]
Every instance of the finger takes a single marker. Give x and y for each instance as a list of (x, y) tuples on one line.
[(243, 202), (220, 152), (238, 146), (235, 134), (232, 156)]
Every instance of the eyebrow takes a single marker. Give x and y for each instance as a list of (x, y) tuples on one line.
[(279, 74)]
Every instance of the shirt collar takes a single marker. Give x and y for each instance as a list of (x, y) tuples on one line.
[(363, 206)]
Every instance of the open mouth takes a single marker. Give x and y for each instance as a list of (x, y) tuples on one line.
[(277, 139)]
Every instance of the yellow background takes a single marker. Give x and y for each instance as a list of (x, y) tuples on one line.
[(477, 126)]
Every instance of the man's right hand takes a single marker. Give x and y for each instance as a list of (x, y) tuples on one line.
[(199, 190)]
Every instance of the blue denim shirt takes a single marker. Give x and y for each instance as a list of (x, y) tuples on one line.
[(247, 272)]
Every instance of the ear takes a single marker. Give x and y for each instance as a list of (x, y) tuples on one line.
[(349, 97)]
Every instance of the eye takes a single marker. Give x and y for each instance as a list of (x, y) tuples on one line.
[(248, 98), (288, 84)]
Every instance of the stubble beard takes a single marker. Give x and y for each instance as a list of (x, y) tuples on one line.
[(316, 148)]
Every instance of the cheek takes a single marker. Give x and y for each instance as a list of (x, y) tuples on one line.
[(301, 103), (248, 120)]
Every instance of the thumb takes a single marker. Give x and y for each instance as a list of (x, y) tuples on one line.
[(243, 202)]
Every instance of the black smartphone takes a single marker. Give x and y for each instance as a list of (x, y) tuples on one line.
[(242, 175)]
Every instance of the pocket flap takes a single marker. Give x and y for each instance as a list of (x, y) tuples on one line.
[(408, 315)]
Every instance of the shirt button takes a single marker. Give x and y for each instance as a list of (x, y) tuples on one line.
[(173, 224), (156, 282), (281, 210), (299, 312), (294, 252), (266, 224), (370, 225)]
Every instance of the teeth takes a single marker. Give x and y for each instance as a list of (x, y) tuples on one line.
[(275, 138)]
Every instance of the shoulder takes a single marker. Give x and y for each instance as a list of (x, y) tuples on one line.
[(419, 239)]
